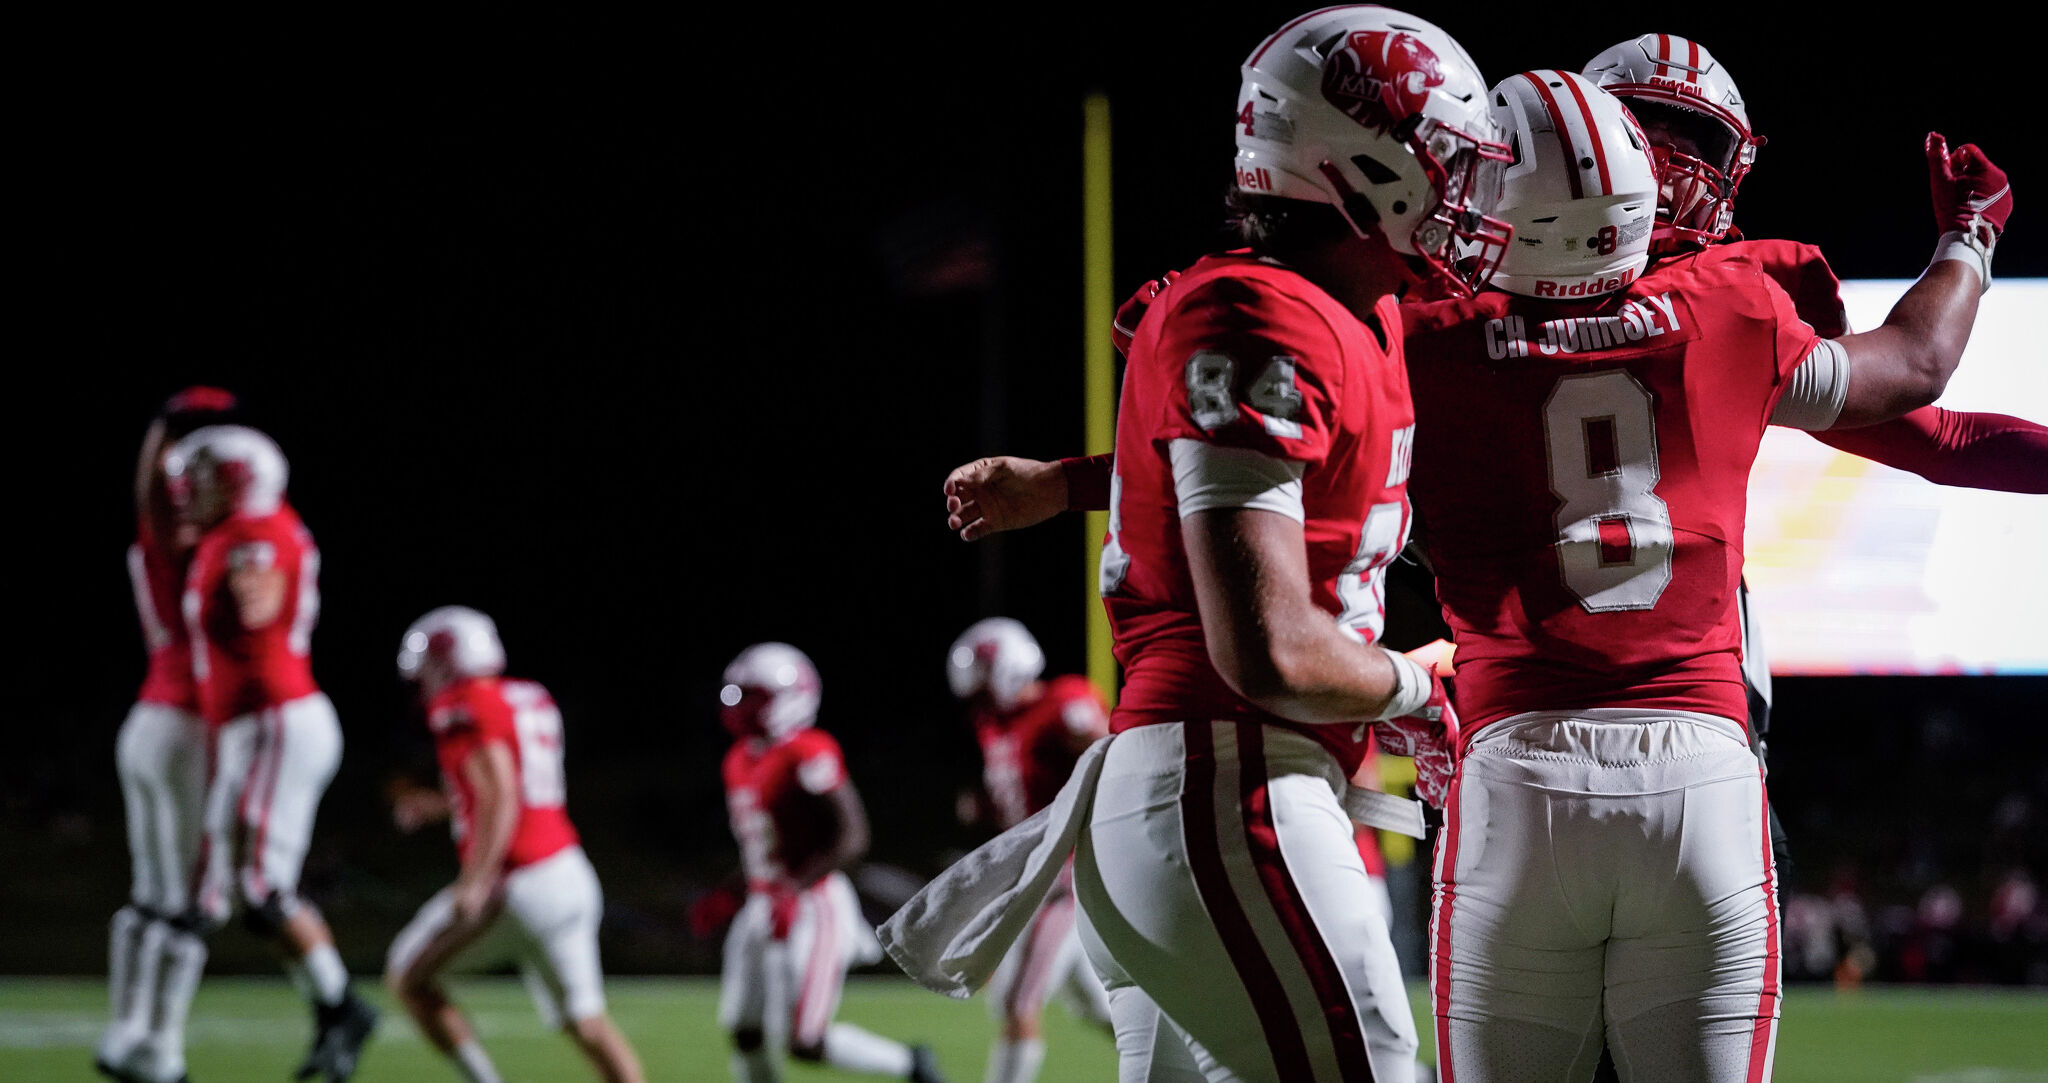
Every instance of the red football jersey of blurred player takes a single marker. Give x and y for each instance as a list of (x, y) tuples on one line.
[(158, 577), (243, 670), (1581, 483), (521, 716), (774, 792), (1240, 353), (1027, 754)]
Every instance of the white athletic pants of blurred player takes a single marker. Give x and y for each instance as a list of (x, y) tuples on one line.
[(1221, 881), (785, 992), (548, 929), (160, 758), (270, 769), (1047, 960), (1606, 867)]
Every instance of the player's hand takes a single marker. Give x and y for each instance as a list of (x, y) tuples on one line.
[(1439, 655), (713, 910), (1125, 328), (414, 807), (472, 899), (1430, 738), (1971, 195), (1003, 492)]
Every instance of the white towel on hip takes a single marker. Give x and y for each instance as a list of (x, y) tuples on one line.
[(953, 933)]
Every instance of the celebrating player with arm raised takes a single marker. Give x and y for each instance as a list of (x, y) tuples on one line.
[(155, 948)]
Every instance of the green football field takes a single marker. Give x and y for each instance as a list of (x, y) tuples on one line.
[(254, 1031)]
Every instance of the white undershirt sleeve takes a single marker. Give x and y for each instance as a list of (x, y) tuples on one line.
[(1820, 385), (1207, 476)]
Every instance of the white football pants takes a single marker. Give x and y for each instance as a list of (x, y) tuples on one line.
[(548, 929), (1606, 870), (1220, 880), (270, 769)]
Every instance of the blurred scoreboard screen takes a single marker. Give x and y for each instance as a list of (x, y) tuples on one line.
[(1857, 568)]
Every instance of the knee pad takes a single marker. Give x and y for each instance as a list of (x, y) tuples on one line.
[(749, 1039), (266, 917)]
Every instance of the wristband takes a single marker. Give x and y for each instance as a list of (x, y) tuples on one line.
[(1412, 688), (1966, 247)]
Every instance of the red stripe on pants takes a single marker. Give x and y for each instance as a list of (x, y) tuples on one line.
[(1440, 931), (1767, 1002), (1333, 996), (1212, 883)]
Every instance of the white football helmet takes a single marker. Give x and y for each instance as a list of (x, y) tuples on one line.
[(771, 690), (451, 642), (226, 468), (996, 656), (1581, 193), (1674, 85), (1383, 116)]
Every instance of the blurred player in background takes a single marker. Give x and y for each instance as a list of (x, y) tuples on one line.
[(1032, 731), (526, 893), (251, 601), (799, 822), (160, 756)]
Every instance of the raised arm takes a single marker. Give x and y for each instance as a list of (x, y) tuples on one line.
[(1904, 363)]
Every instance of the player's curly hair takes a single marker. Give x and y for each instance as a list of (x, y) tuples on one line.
[(1279, 227)]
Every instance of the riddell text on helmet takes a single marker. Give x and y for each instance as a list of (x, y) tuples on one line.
[(1583, 288)]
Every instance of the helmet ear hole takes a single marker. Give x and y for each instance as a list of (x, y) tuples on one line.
[(1375, 170)]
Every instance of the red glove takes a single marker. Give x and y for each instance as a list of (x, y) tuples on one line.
[(1132, 310), (712, 910), (1969, 191), (211, 400), (1430, 738)]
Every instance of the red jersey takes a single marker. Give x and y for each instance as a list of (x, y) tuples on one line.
[(157, 574), (1581, 483), (1240, 353), (242, 670), (775, 792), (521, 716), (1028, 753)]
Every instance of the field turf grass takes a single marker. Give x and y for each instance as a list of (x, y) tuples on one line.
[(254, 1030)]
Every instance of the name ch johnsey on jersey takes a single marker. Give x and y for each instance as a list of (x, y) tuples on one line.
[(1643, 318)]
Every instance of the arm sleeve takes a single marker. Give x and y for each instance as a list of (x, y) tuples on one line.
[(1816, 389), (1948, 447)]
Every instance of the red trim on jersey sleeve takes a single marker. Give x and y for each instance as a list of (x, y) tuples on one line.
[(1259, 369)]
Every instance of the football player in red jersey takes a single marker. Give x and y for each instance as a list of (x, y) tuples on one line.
[(799, 822), (251, 600), (1032, 730), (1263, 439), (160, 756), (526, 893)]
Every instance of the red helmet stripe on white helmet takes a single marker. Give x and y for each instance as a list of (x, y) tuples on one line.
[(1574, 130)]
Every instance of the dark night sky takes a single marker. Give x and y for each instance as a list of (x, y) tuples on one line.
[(612, 331)]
